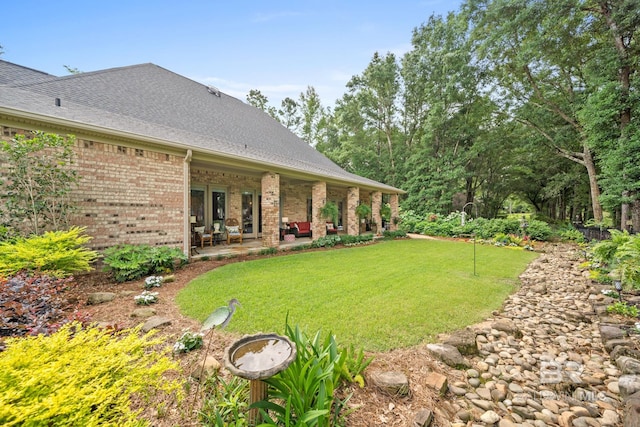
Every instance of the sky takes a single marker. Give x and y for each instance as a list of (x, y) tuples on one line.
[(277, 47)]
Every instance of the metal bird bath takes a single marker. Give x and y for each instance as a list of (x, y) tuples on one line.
[(258, 357)]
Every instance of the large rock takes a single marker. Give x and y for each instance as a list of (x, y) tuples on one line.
[(438, 382), (205, 369), (628, 365), (423, 418), (100, 297), (508, 326), (464, 340), (449, 355), (393, 383), (629, 384), (143, 312), (611, 333), (632, 411), (155, 322)]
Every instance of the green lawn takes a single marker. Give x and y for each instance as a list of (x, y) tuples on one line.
[(392, 294)]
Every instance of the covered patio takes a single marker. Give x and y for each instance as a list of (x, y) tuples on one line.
[(248, 246)]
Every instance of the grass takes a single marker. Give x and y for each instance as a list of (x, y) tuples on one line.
[(383, 296)]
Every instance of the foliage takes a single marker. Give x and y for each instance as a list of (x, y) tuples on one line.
[(81, 377), (394, 234), (268, 251), (153, 282), (451, 226), (226, 402), (328, 241), (131, 262), (330, 211), (56, 253), (188, 341), (502, 239), (573, 235), (146, 298), (32, 304), (617, 257), (363, 210), (539, 230), (623, 309), (349, 240), (39, 178), (307, 389)]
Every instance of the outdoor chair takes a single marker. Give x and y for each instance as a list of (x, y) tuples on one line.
[(234, 232), (203, 236)]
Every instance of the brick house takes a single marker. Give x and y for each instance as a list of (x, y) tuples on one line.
[(155, 148)]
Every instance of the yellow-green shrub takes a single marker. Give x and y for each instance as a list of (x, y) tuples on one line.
[(56, 253), (81, 377)]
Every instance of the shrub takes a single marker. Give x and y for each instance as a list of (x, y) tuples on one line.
[(188, 341), (146, 298), (623, 309), (225, 402), (32, 305), (153, 282), (348, 240), (394, 234), (571, 235), (307, 388), (54, 253), (81, 377), (326, 241), (539, 230), (131, 262)]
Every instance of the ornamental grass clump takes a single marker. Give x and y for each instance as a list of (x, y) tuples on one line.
[(83, 377)]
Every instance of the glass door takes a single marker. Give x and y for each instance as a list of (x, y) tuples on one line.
[(247, 214)]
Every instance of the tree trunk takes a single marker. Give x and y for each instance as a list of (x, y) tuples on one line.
[(635, 216), (593, 184)]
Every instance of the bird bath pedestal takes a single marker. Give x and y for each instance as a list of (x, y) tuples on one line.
[(258, 357)]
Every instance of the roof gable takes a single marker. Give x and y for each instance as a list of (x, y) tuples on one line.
[(149, 100)]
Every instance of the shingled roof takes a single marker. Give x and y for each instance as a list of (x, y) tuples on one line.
[(150, 101)]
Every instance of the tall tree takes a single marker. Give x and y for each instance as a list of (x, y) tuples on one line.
[(258, 100), (612, 107), (444, 98), (313, 116), (537, 51)]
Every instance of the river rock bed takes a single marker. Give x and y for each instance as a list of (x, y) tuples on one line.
[(551, 357)]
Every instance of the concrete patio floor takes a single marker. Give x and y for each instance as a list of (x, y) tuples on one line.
[(248, 246)]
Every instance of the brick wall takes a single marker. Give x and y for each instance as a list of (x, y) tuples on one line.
[(125, 195), (129, 195)]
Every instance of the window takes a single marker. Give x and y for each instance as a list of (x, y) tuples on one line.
[(197, 205), (219, 205)]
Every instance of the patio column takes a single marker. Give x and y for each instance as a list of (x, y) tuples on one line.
[(186, 239), (318, 199), (376, 204), (353, 195), (270, 209), (235, 203), (395, 211)]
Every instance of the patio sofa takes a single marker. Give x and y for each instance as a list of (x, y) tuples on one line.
[(301, 228)]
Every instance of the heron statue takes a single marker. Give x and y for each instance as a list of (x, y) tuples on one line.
[(221, 316)]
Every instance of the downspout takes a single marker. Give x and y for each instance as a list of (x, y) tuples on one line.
[(186, 201)]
